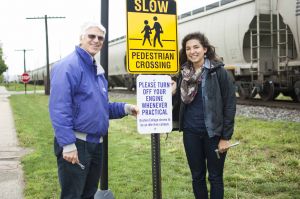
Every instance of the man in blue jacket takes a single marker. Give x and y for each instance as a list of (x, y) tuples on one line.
[(80, 112)]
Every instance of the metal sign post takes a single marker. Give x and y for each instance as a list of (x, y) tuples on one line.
[(25, 78), (24, 51), (156, 170)]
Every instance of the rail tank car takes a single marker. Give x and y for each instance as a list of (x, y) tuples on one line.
[(258, 41), (38, 76), (117, 73)]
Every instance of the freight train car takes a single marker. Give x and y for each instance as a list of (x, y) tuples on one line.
[(257, 39), (38, 76), (117, 73)]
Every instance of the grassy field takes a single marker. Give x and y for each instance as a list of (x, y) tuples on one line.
[(21, 87), (266, 165)]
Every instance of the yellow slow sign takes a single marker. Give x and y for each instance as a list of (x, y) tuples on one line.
[(152, 37)]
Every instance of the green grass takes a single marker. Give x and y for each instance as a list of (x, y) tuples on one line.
[(283, 97), (266, 165), (21, 87)]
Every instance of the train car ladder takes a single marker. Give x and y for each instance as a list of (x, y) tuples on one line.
[(255, 40), (298, 8), (253, 46), (282, 44)]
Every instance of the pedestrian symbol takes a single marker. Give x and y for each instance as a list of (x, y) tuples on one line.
[(148, 30), (158, 31), (152, 37)]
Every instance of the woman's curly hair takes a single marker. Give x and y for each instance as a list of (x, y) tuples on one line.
[(210, 53)]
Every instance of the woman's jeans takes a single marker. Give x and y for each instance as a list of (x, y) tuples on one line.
[(201, 155)]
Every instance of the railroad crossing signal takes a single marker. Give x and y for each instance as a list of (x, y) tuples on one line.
[(25, 78), (152, 37)]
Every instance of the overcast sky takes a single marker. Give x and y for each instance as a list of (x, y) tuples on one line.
[(18, 33)]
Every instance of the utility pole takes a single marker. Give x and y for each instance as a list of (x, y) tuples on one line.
[(47, 85), (24, 50)]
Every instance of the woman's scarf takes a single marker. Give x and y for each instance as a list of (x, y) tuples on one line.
[(190, 82)]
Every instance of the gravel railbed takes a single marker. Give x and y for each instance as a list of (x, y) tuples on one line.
[(121, 95), (259, 112), (267, 113)]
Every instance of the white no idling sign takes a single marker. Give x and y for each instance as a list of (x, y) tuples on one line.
[(154, 99)]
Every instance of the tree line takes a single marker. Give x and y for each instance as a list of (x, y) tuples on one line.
[(3, 66)]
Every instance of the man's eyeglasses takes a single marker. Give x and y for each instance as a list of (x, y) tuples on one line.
[(92, 37)]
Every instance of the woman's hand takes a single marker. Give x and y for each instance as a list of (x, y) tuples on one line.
[(223, 145), (174, 85)]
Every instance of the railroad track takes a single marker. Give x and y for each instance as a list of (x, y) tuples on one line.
[(284, 104)]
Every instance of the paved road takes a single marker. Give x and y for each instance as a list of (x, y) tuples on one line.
[(11, 174)]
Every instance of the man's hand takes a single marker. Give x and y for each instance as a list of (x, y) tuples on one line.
[(135, 110), (132, 109), (71, 156), (223, 145)]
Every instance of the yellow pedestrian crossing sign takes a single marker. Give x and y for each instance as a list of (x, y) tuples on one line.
[(152, 37)]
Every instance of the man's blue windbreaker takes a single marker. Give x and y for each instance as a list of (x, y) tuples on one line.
[(79, 99)]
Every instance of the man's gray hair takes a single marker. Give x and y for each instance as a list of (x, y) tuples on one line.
[(91, 24)]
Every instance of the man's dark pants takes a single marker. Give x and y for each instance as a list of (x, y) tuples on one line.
[(200, 152), (77, 183)]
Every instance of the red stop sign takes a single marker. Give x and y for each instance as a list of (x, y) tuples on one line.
[(25, 78)]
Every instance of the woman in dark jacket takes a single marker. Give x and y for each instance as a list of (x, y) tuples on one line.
[(204, 106)]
